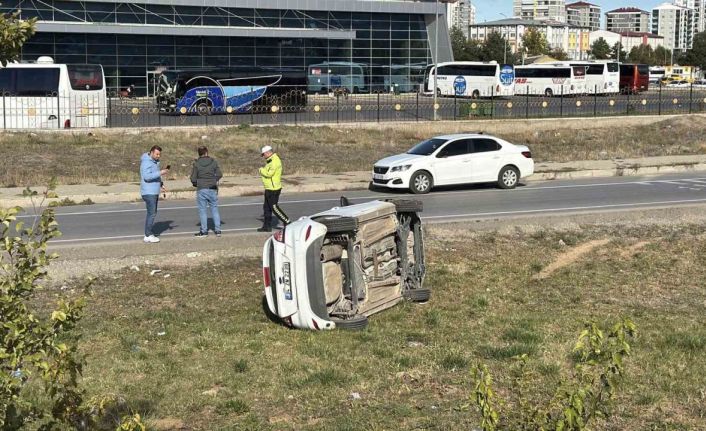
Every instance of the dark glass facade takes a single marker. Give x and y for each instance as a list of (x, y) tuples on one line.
[(386, 42)]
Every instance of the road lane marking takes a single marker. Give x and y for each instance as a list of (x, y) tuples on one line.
[(103, 238), (382, 196), (539, 211)]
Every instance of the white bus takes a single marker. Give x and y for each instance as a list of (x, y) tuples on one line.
[(471, 79), (550, 80), (657, 74), (45, 95), (602, 77), (335, 75)]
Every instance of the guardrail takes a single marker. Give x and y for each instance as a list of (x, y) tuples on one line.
[(53, 111)]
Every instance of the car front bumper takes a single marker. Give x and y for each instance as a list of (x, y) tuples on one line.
[(393, 180)]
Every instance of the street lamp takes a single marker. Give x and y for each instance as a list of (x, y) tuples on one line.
[(505, 37), (436, 57)]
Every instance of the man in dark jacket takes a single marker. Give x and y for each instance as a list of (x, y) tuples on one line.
[(205, 176)]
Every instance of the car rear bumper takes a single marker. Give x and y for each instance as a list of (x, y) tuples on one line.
[(299, 298)]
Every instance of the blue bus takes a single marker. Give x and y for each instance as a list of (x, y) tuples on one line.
[(231, 90)]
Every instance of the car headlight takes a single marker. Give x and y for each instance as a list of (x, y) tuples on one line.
[(400, 168)]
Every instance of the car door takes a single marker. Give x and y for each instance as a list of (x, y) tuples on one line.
[(486, 159), (451, 163)]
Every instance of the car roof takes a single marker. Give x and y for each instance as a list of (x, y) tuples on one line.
[(464, 135)]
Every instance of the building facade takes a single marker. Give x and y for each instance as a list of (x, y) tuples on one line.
[(571, 39), (552, 10), (628, 40), (675, 24), (583, 14), (699, 7), (461, 14), (628, 19), (134, 39)]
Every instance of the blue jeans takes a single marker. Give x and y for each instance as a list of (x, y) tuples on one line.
[(204, 199), (151, 203)]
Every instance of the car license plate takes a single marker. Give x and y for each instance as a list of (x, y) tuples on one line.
[(378, 176), (286, 281)]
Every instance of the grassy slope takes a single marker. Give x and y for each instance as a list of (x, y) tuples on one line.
[(106, 158), (221, 365)]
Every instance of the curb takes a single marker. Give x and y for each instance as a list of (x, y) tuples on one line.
[(620, 169)]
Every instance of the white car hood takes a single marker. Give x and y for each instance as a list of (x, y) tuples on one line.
[(399, 159)]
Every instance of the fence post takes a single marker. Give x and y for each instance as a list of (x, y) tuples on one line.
[(454, 105), (338, 101), (659, 109), (595, 101), (4, 112), (417, 112), (252, 109), (627, 107), (58, 111), (691, 96), (378, 106), (527, 103), (492, 102), (561, 102)]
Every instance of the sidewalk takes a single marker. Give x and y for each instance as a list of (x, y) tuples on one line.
[(249, 185)]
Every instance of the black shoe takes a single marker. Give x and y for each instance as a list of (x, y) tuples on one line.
[(265, 229), (218, 234), (201, 235)]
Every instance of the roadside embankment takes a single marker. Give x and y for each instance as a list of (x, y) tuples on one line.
[(110, 156)]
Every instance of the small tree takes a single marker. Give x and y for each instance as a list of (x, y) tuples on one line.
[(559, 54), (643, 54), (458, 44), (14, 32), (534, 42), (696, 56), (496, 48), (600, 50), (617, 52), (663, 56)]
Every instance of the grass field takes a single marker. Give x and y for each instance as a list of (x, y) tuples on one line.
[(195, 352), (101, 158)]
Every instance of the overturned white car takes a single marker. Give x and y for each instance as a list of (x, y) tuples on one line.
[(336, 268)]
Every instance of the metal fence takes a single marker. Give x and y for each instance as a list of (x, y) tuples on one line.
[(53, 111)]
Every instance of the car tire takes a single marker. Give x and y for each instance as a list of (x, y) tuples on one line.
[(338, 224), (407, 205), (417, 295), (272, 317), (355, 323), (421, 182), (509, 177)]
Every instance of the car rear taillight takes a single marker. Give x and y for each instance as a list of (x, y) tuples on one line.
[(279, 235), (527, 154), (308, 233), (67, 124), (266, 276), (316, 325)]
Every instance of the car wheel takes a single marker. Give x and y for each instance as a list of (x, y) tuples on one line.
[(548, 92), (407, 205), (417, 295), (355, 323), (338, 224), (508, 177), (421, 183), (272, 317)]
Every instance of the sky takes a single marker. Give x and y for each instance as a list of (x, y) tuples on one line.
[(489, 10)]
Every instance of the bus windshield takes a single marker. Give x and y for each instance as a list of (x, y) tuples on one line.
[(86, 77)]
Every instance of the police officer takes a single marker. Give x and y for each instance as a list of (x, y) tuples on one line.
[(271, 175)]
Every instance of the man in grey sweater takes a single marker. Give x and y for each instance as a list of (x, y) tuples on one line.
[(205, 176)]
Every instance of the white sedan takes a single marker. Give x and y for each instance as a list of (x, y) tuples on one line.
[(455, 159)]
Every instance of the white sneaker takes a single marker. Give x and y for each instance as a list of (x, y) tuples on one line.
[(151, 239)]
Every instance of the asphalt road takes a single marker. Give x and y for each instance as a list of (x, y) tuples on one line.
[(101, 223)]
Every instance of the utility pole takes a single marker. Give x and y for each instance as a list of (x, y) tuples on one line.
[(436, 57)]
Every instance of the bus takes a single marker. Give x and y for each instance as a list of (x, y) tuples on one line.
[(471, 79), (602, 77), (657, 74), (230, 90), (337, 75), (550, 80), (46, 95), (634, 78)]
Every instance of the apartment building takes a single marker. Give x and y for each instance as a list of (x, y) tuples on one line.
[(675, 24), (584, 14), (461, 14), (554, 10), (628, 19)]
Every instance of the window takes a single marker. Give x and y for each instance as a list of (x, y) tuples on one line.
[(426, 148), (85, 77), (5, 81), (36, 81), (542, 72), (485, 145), (455, 148), (595, 69), (613, 67)]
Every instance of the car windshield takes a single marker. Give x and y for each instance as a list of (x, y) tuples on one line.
[(427, 148)]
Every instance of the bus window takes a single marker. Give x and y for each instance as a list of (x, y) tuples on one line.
[(579, 71), (595, 69), (36, 81), (5, 81), (643, 69), (613, 67), (85, 77)]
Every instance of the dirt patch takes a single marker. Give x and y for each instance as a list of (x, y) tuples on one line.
[(570, 257), (634, 249), (168, 424)]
